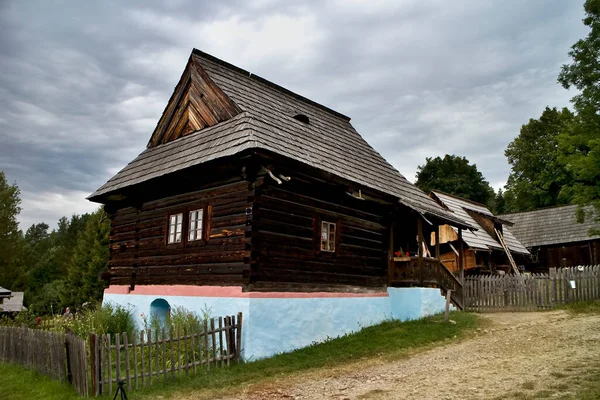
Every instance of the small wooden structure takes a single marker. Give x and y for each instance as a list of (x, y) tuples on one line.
[(555, 238), (490, 248), (245, 183)]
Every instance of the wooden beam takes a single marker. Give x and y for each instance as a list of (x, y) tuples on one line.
[(420, 243), (461, 260), (437, 242), (391, 263)]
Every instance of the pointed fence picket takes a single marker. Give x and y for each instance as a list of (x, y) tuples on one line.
[(532, 292)]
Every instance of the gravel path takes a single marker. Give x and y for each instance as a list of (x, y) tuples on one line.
[(519, 353)]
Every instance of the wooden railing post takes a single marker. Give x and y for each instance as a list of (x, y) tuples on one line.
[(461, 261), (437, 242), (239, 337), (93, 363), (420, 253)]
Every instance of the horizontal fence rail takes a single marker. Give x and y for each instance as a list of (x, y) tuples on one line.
[(532, 292), (143, 358)]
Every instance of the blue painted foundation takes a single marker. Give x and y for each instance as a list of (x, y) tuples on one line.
[(277, 325)]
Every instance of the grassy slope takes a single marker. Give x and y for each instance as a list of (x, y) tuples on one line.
[(17, 383), (389, 340)]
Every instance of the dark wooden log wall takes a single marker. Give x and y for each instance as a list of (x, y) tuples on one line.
[(138, 250), (286, 232)]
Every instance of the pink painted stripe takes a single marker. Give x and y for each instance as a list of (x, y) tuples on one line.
[(228, 291)]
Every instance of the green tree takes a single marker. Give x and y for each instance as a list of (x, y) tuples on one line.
[(579, 146), (498, 205), (454, 175), (10, 236), (538, 177), (90, 259)]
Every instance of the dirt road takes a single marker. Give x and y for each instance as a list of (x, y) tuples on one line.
[(519, 354)]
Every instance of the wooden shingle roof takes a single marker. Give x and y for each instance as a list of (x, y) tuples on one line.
[(549, 226), (479, 239), (266, 121)]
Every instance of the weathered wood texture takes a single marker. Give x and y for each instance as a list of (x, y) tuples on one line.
[(430, 272), (286, 231), (532, 292), (148, 357), (195, 104), (139, 253), (60, 356)]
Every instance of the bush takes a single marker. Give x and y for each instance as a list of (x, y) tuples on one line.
[(102, 319)]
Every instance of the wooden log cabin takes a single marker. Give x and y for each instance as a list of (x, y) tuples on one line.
[(555, 238), (249, 191)]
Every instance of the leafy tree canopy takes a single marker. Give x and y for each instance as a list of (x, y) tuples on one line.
[(454, 175), (10, 236), (538, 178), (579, 146)]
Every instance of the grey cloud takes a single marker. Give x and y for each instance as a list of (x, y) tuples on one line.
[(83, 83)]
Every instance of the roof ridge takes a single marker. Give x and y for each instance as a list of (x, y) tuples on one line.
[(544, 209), (258, 78), (460, 198)]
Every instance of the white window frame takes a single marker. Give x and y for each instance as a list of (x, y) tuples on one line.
[(195, 225), (327, 236), (175, 234)]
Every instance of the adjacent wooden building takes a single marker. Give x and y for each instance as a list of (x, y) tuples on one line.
[(487, 248), (555, 238)]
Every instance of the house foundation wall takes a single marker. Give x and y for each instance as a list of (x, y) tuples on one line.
[(277, 322)]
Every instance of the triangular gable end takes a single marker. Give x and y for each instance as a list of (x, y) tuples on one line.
[(197, 102)]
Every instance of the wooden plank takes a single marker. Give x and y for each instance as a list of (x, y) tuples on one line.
[(164, 353), (238, 347), (178, 333), (228, 337), (150, 357), (172, 345), (142, 357), (221, 340), (214, 341), (127, 363), (185, 346), (118, 356), (108, 336), (206, 344), (192, 345)]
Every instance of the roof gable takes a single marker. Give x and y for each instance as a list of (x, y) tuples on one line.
[(196, 103)]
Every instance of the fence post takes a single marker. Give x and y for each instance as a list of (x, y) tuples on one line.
[(239, 337), (93, 365), (67, 350)]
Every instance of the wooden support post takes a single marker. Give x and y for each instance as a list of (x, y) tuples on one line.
[(420, 243), (391, 264), (437, 242), (461, 261), (448, 296)]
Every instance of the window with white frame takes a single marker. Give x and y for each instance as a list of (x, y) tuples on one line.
[(195, 225), (175, 228), (327, 236)]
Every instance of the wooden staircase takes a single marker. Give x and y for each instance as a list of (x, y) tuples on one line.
[(429, 272), (448, 281)]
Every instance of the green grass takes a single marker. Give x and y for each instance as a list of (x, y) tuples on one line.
[(18, 383), (584, 307), (389, 340), (386, 341)]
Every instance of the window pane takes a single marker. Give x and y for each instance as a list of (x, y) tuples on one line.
[(179, 218), (171, 238)]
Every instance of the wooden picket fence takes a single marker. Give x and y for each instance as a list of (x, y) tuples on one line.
[(532, 292), (150, 356), (61, 356)]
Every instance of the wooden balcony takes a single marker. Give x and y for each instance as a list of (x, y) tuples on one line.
[(424, 272)]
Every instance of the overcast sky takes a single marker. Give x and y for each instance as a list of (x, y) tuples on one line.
[(83, 83)]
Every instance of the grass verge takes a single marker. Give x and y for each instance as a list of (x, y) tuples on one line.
[(389, 340), (584, 307), (18, 383)]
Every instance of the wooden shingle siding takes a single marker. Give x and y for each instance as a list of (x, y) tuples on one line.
[(138, 240), (285, 238)]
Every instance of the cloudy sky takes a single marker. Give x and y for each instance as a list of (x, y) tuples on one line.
[(82, 83)]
